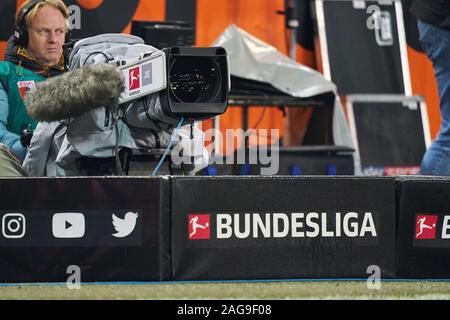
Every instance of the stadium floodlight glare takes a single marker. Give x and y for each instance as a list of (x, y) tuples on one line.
[(193, 83)]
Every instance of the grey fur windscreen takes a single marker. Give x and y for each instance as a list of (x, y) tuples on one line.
[(75, 92)]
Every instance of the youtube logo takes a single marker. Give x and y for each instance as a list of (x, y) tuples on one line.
[(68, 225), (134, 79)]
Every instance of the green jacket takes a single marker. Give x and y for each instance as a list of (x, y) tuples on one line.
[(14, 83), (12, 77)]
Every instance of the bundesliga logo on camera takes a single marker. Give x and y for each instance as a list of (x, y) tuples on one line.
[(134, 78)]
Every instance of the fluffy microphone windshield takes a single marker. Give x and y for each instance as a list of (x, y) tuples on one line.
[(75, 92)]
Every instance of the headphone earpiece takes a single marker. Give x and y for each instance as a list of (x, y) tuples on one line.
[(21, 30)]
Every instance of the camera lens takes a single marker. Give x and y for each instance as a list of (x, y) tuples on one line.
[(194, 79)]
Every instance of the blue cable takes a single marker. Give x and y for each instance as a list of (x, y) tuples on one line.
[(168, 148)]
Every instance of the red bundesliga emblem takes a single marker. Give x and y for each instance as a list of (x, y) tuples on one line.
[(426, 227), (199, 226), (135, 79)]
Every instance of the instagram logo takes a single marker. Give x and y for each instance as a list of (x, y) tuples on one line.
[(13, 225)]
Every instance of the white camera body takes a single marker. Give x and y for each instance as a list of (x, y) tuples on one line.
[(143, 75)]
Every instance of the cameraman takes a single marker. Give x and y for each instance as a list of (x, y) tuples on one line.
[(34, 53), (434, 30)]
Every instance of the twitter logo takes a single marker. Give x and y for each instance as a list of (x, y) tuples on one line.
[(124, 227)]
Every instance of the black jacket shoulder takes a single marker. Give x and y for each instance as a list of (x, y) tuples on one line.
[(436, 12)]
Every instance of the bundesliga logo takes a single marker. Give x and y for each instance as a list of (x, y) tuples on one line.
[(426, 227), (134, 79), (199, 227)]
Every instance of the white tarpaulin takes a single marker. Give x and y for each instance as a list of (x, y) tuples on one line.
[(253, 59)]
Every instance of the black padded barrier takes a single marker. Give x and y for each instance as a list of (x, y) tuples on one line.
[(246, 228), (423, 246), (274, 228), (51, 224)]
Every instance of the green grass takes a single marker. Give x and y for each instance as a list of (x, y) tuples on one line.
[(219, 291)]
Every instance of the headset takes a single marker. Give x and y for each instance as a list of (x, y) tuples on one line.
[(21, 30)]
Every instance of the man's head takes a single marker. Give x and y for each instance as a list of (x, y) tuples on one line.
[(46, 26)]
